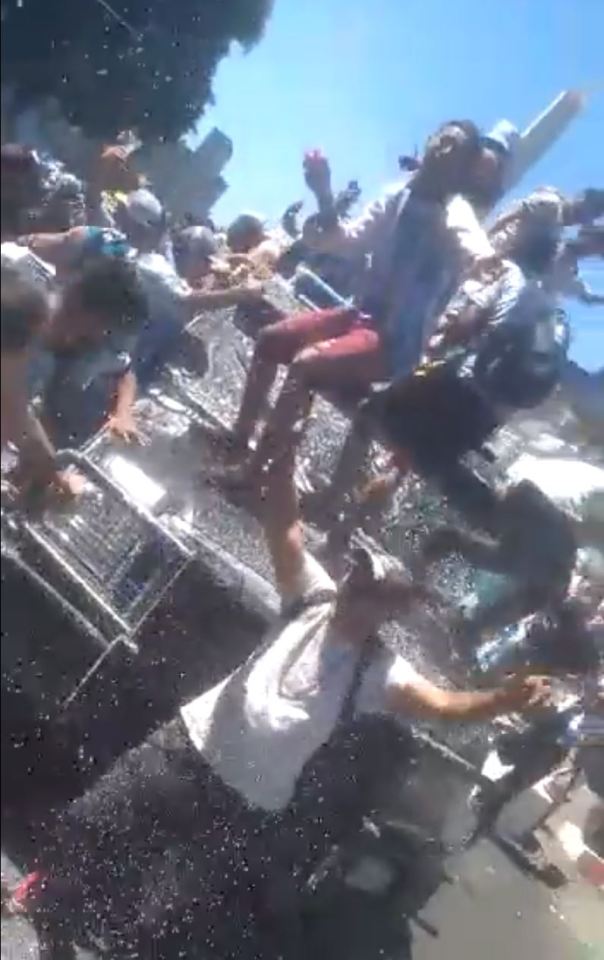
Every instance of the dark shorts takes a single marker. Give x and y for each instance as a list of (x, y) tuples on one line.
[(434, 417)]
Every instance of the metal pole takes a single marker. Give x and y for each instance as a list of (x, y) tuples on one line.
[(543, 132)]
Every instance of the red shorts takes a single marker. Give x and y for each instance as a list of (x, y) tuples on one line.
[(330, 348)]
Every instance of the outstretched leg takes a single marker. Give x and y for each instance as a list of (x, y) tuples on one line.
[(350, 359), (279, 343), (260, 379)]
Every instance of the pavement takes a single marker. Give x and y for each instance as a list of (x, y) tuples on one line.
[(495, 911)]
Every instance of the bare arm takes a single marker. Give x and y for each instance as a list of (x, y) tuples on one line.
[(121, 422), (38, 464), (199, 300), (56, 248), (423, 699), (20, 425)]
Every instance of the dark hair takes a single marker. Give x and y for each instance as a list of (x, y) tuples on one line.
[(535, 254), (473, 135), (466, 152), (408, 164), (111, 290), (593, 199), (24, 311)]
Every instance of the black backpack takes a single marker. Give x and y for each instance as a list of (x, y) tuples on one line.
[(519, 365)]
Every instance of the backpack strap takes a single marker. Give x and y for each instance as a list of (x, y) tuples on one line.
[(312, 599), (326, 596), (348, 707)]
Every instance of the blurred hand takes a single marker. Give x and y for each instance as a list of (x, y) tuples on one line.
[(525, 693), (62, 486), (114, 169), (124, 427), (317, 173), (66, 485)]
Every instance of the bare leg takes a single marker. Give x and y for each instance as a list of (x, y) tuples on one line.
[(292, 409), (260, 379), (327, 504)]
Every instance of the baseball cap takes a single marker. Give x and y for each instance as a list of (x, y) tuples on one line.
[(144, 208)]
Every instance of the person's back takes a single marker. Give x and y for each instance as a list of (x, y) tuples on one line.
[(87, 353)]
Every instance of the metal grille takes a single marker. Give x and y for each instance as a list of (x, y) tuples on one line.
[(116, 554)]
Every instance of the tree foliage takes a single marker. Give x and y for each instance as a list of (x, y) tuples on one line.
[(124, 64)]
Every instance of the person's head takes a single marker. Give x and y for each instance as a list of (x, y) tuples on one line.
[(194, 251), (583, 209), (105, 299), (485, 181), (63, 206), (533, 251), (449, 153), (486, 176), (25, 313), (142, 218), (21, 182), (375, 590), (245, 232)]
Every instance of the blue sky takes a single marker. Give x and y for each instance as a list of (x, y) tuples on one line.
[(366, 80)]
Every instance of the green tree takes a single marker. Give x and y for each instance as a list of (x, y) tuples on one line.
[(113, 65)]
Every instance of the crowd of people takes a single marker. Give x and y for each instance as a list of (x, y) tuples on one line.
[(443, 324)]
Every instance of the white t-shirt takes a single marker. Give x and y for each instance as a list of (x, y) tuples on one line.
[(165, 289), (259, 727)]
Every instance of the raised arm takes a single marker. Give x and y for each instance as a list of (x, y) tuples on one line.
[(348, 238), (324, 231)]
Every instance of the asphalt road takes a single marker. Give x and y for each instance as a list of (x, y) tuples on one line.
[(491, 911), (494, 911)]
